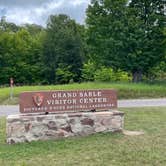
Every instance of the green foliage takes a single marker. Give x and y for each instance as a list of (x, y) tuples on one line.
[(104, 74), (33, 29), (7, 26), (129, 37), (105, 33), (123, 76), (62, 45), (63, 74), (91, 72), (147, 37), (19, 57), (120, 35), (88, 71), (109, 75), (157, 73)]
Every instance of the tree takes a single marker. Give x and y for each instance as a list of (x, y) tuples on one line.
[(20, 57), (33, 29), (62, 48), (127, 35), (7, 26), (5, 57), (146, 46), (106, 31)]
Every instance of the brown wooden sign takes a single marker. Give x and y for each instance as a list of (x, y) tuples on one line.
[(66, 101)]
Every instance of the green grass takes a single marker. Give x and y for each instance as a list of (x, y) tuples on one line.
[(125, 90), (99, 149)]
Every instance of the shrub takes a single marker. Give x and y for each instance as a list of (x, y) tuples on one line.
[(63, 74), (88, 71), (123, 76), (104, 74), (157, 73), (108, 74)]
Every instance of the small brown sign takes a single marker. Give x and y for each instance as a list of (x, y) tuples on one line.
[(67, 101)]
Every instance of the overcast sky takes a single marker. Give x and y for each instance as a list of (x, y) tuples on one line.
[(37, 11)]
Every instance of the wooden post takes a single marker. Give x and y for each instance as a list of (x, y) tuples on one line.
[(11, 87)]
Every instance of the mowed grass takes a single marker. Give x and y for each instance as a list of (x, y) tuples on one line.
[(125, 90), (99, 149)]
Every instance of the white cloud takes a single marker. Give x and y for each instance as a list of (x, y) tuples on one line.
[(38, 11), (78, 2), (21, 3)]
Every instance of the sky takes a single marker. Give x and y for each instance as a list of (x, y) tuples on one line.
[(37, 11)]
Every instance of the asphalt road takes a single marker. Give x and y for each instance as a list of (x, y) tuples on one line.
[(9, 110)]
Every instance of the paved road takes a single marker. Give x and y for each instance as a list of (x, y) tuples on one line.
[(8, 110), (142, 103)]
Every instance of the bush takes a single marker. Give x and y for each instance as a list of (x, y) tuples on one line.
[(157, 73), (123, 76), (63, 74), (104, 74), (88, 71), (108, 74)]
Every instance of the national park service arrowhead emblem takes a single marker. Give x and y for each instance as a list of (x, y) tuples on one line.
[(38, 99)]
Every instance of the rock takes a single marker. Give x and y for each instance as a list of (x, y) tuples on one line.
[(133, 133)]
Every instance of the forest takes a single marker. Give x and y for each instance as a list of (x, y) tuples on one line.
[(121, 41)]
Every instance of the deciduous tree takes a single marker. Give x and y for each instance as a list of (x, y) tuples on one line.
[(62, 45)]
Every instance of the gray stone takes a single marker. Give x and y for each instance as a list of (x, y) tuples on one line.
[(56, 126)]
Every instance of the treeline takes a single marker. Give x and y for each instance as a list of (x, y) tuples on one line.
[(120, 41)]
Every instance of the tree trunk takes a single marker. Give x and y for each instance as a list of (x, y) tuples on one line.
[(137, 76)]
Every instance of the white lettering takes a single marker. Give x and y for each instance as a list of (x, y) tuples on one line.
[(54, 95), (60, 102), (90, 94), (92, 100), (64, 95)]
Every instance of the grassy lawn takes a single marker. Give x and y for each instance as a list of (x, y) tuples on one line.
[(99, 149), (125, 90)]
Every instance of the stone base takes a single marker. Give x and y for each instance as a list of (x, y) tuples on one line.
[(27, 128)]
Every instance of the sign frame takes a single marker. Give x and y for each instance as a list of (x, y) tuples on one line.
[(62, 101)]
